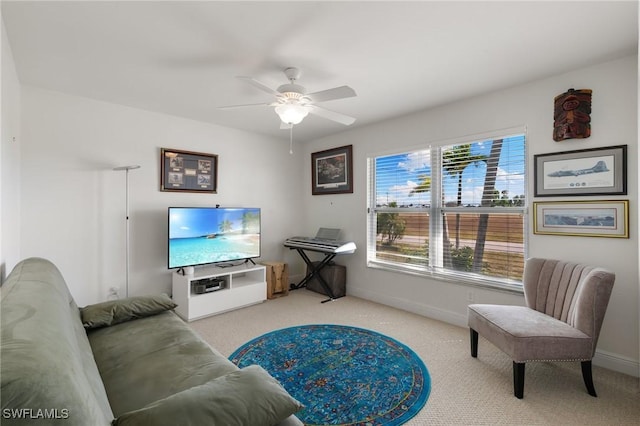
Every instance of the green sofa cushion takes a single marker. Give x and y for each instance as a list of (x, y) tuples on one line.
[(122, 310), (245, 397), (152, 358)]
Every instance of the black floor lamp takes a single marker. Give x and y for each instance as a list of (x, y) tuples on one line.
[(126, 169)]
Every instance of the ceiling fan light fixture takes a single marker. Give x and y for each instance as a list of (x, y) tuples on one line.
[(292, 113), (288, 89), (293, 104)]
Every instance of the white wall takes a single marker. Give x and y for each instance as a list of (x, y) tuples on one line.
[(614, 122), (73, 203), (9, 162)]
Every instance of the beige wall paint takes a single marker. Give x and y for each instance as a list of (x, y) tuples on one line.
[(74, 203), (614, 122), (9, 161)]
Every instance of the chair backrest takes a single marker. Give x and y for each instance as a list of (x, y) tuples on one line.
[(571, 292)]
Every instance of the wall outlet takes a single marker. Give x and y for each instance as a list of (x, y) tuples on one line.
[(113, 293), (470, 296)]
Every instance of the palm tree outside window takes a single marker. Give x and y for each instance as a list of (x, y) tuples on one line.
[(451, 209)]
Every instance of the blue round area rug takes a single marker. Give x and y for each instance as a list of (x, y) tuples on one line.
[(343, 375)]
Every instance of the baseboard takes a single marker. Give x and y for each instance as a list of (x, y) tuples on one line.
[(602, 359), (294, 279), (617, 363), (411, 306)]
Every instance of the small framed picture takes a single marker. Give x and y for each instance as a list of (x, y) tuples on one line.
[(582, 218), (186, 171), (597, 171), (332, 171)]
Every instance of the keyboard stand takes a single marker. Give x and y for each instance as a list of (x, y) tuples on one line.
[(315, 272)]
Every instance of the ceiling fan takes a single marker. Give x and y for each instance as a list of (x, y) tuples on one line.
[(293, 103)]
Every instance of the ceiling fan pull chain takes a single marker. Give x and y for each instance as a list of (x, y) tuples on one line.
[(291, 139)]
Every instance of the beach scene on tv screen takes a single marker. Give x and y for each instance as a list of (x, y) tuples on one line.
[(208, 235)]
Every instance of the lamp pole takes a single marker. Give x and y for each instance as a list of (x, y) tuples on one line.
[(126, 169)]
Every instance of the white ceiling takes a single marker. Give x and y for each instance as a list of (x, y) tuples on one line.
[(181, 58)]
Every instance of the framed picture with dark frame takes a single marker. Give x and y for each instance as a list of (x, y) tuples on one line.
[(187, 171), (596, 171), (332, 171), (606, 218)]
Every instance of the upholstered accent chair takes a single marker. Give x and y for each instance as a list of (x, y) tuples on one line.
[(565, 307)]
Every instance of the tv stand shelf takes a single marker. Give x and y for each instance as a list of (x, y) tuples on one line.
[(242, 285)]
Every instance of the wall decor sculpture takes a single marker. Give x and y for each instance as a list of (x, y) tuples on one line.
[(572, 115)]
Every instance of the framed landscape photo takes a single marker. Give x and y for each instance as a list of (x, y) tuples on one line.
[(186, 171), (332, 171), (597, 171), (582, 218)]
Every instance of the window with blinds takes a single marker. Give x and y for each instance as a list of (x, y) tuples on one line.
[(457, 210)]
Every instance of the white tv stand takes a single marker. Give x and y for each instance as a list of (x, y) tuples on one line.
[(242, 285)]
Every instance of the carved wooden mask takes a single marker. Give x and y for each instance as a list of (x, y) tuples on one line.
[(571, 115)]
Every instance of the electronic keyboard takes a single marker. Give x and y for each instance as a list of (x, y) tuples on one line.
[(321, 245)]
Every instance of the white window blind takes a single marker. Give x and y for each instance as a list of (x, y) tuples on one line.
[(400, 222), (454, 209)]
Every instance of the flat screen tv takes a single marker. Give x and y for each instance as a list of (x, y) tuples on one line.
[(203, 235)]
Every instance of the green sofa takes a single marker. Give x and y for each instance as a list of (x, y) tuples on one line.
[(126, 362)]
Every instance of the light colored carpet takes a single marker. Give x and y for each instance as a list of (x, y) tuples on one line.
[(465, 391)]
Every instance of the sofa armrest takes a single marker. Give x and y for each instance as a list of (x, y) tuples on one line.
[(249, 396), (117, 311)]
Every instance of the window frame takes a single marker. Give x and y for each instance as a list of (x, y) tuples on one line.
[(435, 212)]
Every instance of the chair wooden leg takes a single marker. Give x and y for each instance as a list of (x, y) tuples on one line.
[(518, 379), (588, 378), (474, 342)]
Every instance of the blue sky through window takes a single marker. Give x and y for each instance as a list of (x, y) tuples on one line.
[(397, 175)]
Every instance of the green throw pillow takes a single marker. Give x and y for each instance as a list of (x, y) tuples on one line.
[(249, 396), (121, 310)]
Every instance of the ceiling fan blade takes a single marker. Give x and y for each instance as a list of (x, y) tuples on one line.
[(332, 115), (331, 94), (259, 85), (245, 105)]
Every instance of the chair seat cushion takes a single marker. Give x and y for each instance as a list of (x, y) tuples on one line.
[(528, 335)]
